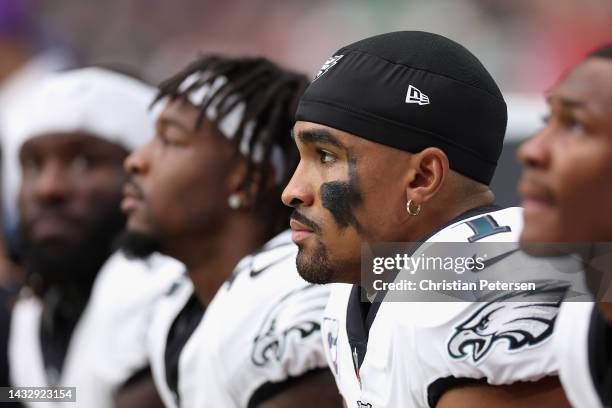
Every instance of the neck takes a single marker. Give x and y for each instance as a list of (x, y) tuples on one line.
[(210, 261), (439, 215)]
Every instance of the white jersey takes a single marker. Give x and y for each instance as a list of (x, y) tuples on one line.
[(407, 354), (107, 345), (575, 341), (261, 329)]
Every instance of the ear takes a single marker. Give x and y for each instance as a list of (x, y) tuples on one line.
[(238, 185), (247, 190), (429, 168)]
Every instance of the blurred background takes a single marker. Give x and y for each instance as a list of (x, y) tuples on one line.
[(526, 44)]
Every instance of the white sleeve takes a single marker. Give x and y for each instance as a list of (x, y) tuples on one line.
[(499, 343), (288, 342)]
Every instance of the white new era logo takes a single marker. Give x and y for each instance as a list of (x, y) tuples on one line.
[(329, 63), (416, 96)]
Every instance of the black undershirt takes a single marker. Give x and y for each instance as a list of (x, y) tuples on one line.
[(600, 356), (181, 330), (62, 309)]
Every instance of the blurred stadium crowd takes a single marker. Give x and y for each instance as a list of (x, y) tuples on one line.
[(524, 43)]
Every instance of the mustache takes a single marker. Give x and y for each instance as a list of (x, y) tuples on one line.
[(299, 217), (133, 188), (534, 182), (53, 213)]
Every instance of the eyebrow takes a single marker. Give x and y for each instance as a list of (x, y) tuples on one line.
[(318, 136), (566, 102)]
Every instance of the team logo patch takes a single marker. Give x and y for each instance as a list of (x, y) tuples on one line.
[(291, 320), (329, 63), (363, 404), (416, 96), (518, 319), (330, 330)]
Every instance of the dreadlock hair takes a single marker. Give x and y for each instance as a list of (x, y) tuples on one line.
[(271, 95), (602, 52)]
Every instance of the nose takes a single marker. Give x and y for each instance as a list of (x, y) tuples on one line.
[(138, 161), (298, 193), (535, 152), (53, 183)]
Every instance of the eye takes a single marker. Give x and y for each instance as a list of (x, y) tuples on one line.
[(30, 164), (546, 119), (571, 123), (326, 157), (575, 125), (81, 162), (166, 141), (484, 323)]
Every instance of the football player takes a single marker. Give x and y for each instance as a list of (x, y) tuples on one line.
[(567, 193), (80, 324), (241, 328), (399, 135)]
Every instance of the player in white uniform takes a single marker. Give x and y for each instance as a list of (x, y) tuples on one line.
[(206, 190), (79, 324), (398, 137), (106, 346), (416, 351), (567, 193)]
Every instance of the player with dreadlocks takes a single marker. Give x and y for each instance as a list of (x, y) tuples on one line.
[(238, 330)]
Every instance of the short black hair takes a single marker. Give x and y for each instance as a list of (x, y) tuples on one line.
[(602, 52), (270, 94)]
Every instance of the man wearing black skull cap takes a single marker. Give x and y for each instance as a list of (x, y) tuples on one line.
[(399, 136)]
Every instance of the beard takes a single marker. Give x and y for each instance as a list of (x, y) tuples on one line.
[(71, 264), (137, 245), (314, 266)]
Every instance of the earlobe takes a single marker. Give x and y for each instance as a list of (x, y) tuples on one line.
[(240, 189)]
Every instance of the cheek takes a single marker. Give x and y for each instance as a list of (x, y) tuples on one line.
[(101, 187), (24, 200), (584, 183), (185, 193)]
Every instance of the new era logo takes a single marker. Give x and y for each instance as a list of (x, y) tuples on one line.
[(327, 65), (416, 96)]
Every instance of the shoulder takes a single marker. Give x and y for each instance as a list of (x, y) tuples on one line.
[(498, 225)]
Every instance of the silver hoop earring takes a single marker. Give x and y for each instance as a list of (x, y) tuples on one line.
[(414, 212), (234, 201)]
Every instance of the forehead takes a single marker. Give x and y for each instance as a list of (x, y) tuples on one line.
[(179, 112), (310, 132), (589, 83), (368, 153), (70, 142)]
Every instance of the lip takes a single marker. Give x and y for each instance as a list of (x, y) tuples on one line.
[(129, 204), (534, 204), (534, 199), (299, 232), (53, 227), (132, 198)]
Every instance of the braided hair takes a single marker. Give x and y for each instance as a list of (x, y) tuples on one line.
[(270, 95)]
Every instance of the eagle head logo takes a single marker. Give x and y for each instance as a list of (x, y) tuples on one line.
[(295, 317), (522, 318)]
